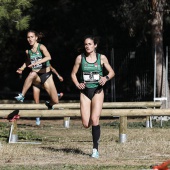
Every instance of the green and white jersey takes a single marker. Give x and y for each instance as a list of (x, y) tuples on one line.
[(91, 72), (36, 56)]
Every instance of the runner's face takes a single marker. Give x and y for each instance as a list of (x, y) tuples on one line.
[(31, 38), (89, 45)]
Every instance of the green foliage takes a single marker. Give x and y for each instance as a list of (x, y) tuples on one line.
[(24, 4), (14, 19), (12, 13), (16, 13), (23, 23), (3, 13)]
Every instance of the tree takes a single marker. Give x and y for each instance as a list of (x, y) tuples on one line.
[(158, 11), (144, 20), (13, 20)]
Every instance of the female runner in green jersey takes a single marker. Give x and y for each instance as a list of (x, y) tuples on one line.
[(90, 85), (38, 59)]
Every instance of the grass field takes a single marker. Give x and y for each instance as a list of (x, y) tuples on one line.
[(70, 148)]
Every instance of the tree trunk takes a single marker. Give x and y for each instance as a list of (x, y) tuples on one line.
[(157, 39)]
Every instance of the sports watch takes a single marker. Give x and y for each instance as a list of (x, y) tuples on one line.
[(107, 77)]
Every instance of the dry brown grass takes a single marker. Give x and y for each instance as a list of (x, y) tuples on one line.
[(66, 148)]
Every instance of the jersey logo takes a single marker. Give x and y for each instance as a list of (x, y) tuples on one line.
[(91, 77)]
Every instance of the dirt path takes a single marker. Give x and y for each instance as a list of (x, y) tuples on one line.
[(72, 146)]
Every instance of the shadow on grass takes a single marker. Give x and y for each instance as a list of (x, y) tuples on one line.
[(66, 150), (13, 114)]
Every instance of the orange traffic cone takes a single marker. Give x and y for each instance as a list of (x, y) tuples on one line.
[(163, 166)]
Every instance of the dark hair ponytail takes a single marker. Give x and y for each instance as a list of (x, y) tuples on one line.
[(94, 38), (40, 35)]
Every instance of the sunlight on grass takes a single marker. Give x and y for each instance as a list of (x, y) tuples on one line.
[(70, 148)]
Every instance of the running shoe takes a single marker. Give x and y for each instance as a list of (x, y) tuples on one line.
[(47, 103), (37, 121), (95, 153), (20, 97), (60, 95)]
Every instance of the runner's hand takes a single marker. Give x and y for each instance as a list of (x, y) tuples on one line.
[(81, 86), (102, 81), (19, 71)]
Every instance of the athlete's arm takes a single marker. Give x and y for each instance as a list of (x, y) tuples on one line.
[(25, 64), (57, 74), (46, 54), (74, 72), (104, 61)]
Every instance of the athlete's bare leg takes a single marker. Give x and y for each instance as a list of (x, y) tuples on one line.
[(85, 110), (51, 90), (91, 109), (96, 108), (29, 80), (36, 94)]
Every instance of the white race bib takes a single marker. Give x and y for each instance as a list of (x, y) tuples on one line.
[(91, 77), (37, 66)]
